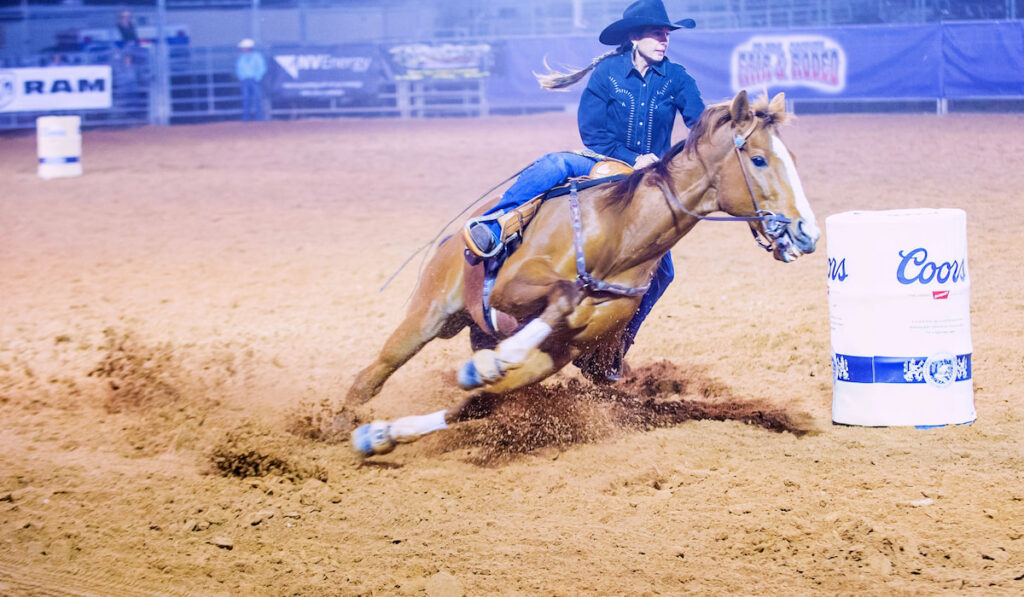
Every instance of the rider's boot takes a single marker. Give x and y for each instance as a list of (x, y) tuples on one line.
[(481, 237), (605, 364)]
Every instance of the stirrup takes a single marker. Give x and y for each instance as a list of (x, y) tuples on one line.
[(471, 244)]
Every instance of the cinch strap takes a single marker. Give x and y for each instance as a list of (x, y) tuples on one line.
[(855, 369)]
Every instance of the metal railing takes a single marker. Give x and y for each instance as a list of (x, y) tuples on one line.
[(203, 88)]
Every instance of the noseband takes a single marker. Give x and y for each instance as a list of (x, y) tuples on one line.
[(773, 225)]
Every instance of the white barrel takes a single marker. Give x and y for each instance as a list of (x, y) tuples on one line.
[(899, 305), (59, 144)]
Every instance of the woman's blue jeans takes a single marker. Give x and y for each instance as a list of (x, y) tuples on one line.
[(663, 276), (550, 170), (554, 169)]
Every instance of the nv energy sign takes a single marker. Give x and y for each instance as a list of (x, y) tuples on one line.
[(55, 88), (812, 61), (340, 72)]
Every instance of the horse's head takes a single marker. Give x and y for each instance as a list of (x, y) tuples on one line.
[(756, 175)]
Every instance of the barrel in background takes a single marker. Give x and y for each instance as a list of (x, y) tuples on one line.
[(59, 145)]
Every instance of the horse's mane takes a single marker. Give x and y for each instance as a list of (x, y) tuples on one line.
[(713, 118)]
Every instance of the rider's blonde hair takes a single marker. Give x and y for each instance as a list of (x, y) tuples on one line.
[(557, 81)]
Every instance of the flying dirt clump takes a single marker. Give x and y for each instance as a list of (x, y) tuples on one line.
[(254, 452), (314, 421), (139, 375)]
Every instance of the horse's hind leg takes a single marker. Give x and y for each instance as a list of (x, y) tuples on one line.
[(421, 325), (436, 310)]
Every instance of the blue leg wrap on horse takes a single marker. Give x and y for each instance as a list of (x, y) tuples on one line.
[(469, 377), (362, 439)]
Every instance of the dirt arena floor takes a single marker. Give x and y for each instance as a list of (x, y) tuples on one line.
[(179, 321)]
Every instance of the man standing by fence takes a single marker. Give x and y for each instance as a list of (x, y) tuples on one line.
[(250, 68)]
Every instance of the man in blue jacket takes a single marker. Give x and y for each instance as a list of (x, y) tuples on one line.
[(250, 68)]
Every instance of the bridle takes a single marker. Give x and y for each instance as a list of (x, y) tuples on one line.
[(773, 225)]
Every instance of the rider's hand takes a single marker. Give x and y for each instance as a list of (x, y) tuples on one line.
[(644, 160)]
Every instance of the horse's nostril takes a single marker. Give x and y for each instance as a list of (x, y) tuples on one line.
[(801, 233), (805, 242), (800, 228)]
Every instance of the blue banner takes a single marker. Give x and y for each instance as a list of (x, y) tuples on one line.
[(914, 62), (350, 73), (939, 370), (851, 62), (984, 59)]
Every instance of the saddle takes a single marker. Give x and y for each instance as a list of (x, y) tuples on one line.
[(480, 274), (513, 223)]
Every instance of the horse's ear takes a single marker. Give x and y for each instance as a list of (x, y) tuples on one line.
[(739, 111), (778, 104)]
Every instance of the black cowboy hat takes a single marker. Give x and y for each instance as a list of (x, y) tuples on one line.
[(642, 13)]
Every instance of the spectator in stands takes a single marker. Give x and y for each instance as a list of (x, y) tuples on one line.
[(626, 114), (129, 48), (126, 28), (250, 68)]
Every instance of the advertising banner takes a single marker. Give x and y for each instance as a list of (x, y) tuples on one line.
[(862, 62), (440, 61), (55, 88), (841, 62), (984, 59), (350, 73)]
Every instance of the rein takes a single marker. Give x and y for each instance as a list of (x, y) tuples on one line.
[(774, 224), (585, 281)]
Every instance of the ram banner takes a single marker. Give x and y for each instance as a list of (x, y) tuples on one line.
[(55, 88)]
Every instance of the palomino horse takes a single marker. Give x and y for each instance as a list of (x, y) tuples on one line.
[(586, 260)]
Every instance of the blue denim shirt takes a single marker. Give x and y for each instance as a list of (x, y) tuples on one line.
[(624, 115)]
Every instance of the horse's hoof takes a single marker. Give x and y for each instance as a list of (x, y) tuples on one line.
[(341, 425), (373, 438), (469, 377)]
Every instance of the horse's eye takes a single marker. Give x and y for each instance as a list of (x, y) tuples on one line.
[(759, 161)]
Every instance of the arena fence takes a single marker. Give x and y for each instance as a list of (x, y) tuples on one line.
[(927, 67), (203, 88)]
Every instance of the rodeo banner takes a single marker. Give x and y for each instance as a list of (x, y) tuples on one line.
[(55, 88), (837, 62), (350, 73), (414, 62)]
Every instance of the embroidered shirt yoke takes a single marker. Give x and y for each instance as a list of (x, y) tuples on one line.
[(624, 115)]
